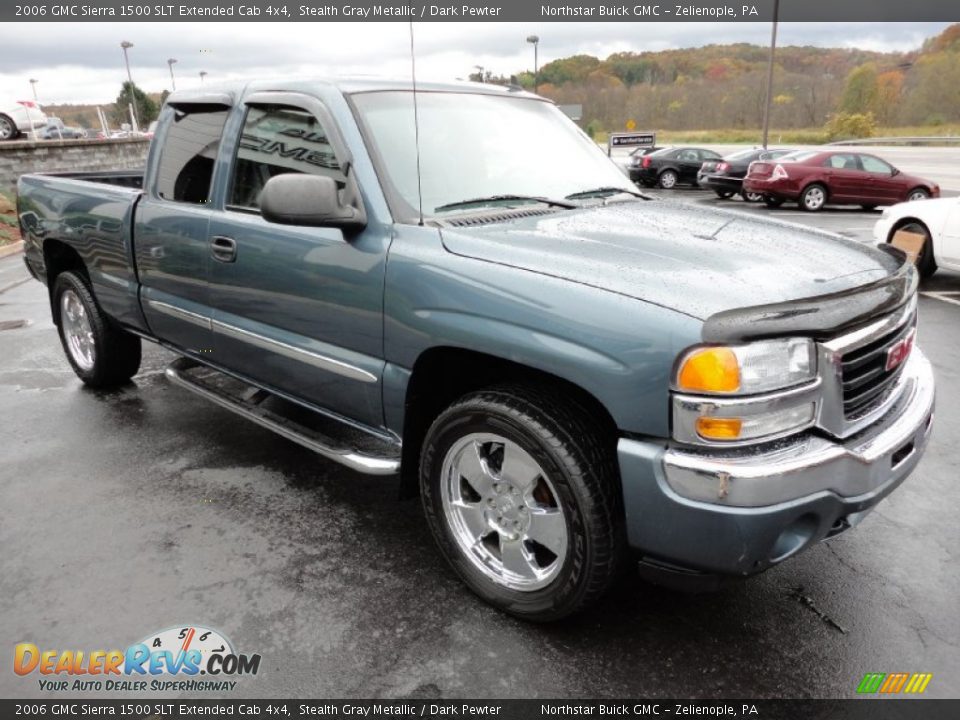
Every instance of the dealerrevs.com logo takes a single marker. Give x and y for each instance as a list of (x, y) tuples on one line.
[(170, 660)]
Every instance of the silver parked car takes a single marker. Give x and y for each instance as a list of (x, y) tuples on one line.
[(20, 117)]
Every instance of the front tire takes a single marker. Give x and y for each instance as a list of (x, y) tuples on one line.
[(522, 496), (813, 198), (101, 354), (918, 194), (926, 262)]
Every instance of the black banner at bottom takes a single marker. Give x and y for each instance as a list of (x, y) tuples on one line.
[(857, 709)]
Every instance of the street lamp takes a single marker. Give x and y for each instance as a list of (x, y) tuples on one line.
[(535, 40), (773, 49), (126, 45), (480, 69), (173, 81), (33, 84), (203, 74)]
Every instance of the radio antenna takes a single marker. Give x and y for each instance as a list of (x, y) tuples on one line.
[(416, 123)]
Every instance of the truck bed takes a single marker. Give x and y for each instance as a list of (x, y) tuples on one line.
[(90, 214)]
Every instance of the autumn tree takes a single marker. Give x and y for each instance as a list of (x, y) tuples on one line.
[(862, 91), (146, 108)]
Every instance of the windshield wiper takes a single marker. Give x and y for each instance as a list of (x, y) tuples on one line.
[(500, 198), (605, 192)]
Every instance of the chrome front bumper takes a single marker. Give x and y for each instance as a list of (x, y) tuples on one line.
[(740, 511), (882, 454)]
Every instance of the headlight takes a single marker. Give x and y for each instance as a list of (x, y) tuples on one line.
[(743, 393), (747, 369)]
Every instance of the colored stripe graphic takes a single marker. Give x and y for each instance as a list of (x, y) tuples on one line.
[(871, 682), (893, 683), (918, 682)]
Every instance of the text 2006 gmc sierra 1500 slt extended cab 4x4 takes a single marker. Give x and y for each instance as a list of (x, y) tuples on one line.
[(567, 372)]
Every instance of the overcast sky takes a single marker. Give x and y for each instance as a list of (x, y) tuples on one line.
[(83, 62)]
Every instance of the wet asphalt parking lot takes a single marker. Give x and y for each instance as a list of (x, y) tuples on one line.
[(126, 512)]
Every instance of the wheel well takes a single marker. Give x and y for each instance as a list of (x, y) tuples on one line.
[(903, 222), (59, 257), (444, 374)]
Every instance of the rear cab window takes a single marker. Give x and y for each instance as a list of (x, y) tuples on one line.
[(188, 155)]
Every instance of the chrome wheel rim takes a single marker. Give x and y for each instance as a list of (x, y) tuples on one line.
[(918, 195), (668, 180), (6, 129), (814, 198), (503, 512), (77, 330), (753, 197)]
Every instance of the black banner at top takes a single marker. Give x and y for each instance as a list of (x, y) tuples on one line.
[(479, 11)]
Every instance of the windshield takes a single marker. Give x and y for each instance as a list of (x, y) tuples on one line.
[(475, 146)]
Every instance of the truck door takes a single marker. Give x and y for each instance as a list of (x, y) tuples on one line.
[(298, 309), (171, 238)]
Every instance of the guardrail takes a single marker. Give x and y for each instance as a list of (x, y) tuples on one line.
[(942, 140)]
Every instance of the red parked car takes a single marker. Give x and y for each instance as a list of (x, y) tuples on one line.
[(814, 178)]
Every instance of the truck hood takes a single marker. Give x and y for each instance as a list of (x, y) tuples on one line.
[(693, 259)]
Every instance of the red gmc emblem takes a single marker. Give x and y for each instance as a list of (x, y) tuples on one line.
[(900, 351)]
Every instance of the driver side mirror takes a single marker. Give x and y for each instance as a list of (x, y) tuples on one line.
[(309, 200), (894, 173)]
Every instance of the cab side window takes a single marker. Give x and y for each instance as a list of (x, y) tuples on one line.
[(278, 139), (185, 170), (842, 161), (875, 165)]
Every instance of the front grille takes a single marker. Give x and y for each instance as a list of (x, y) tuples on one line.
[(866, 381)]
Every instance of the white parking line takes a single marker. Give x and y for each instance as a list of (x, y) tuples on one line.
[(943, 296)]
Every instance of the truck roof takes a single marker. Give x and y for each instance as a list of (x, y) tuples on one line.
[(227, 93)]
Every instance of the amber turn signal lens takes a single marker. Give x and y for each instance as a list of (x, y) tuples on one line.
[(710, 370), (717, 428)]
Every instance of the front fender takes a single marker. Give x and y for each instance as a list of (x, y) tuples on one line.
[(617, 348)]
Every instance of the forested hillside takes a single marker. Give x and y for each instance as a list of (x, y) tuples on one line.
[(722, 86)]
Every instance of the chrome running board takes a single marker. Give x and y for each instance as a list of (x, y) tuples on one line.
[(251, 404)]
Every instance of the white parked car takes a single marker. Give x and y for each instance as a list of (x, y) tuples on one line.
[(19, 118), (937, 220)]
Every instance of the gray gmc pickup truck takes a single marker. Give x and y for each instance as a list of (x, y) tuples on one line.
[(459, 287)]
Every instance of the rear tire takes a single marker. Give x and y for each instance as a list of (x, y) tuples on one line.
[(506, 468), (8, 128), (668, 179), (724, 194), (751, 197), (813, 197), (772, 202), (869, 208), (101, 354)]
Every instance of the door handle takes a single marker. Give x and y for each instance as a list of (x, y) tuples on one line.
[(223, 249)]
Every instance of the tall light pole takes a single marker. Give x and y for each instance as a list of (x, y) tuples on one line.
[(203, 74), (480, 70), (773, 49), (126, 45), (170, 63), (535, 40), (33, 84)]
